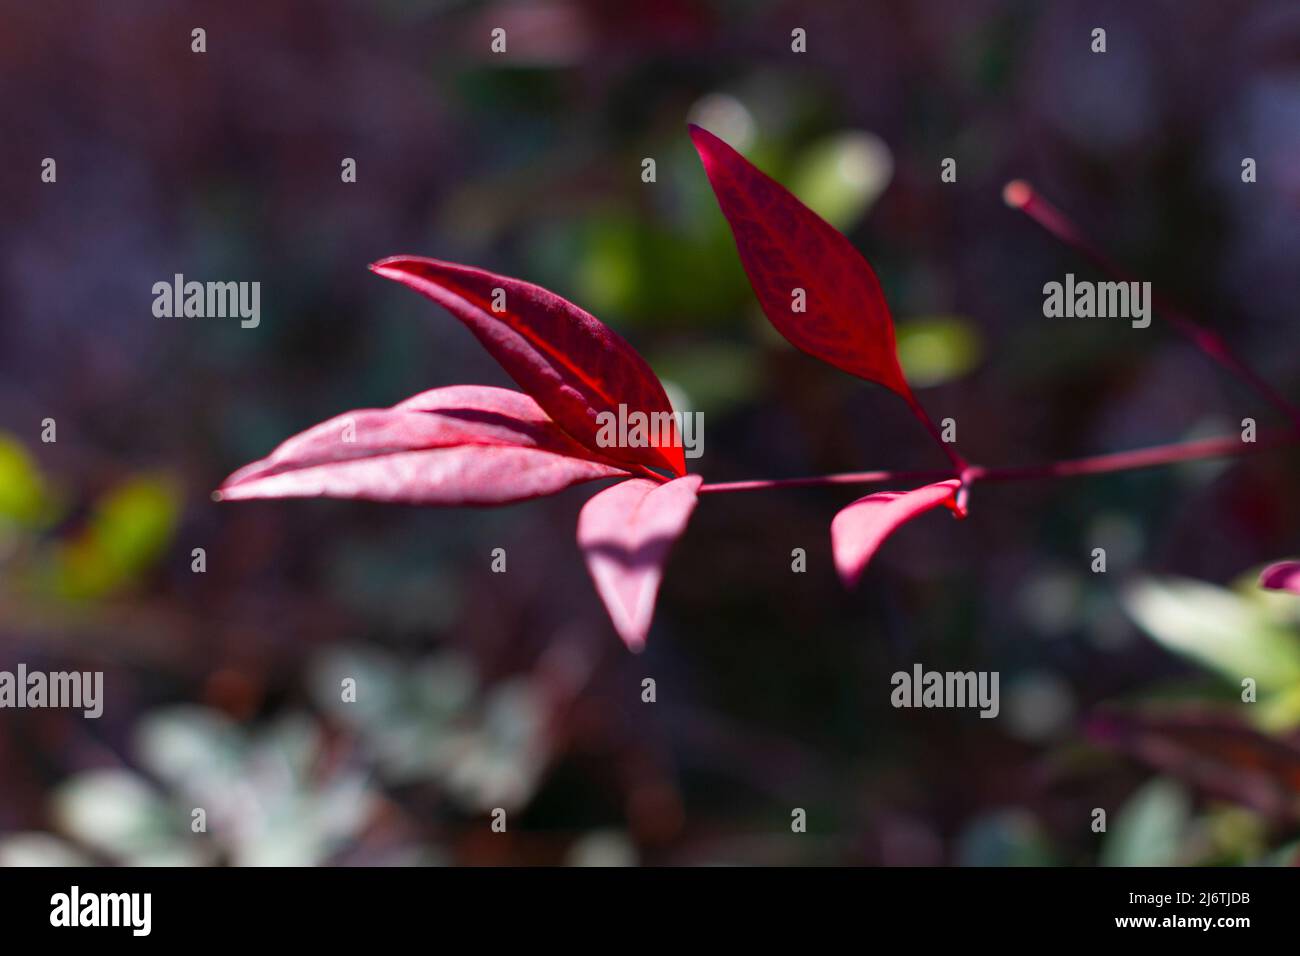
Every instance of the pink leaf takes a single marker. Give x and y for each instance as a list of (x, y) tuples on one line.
[(568, 360), (785, 246), (859, 530), (463, 445), (1282, 576), (625, 533)]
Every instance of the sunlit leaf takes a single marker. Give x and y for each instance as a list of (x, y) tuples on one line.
[(859, 529), (571, 363), (626, 533), (813, 285), (460, 445)]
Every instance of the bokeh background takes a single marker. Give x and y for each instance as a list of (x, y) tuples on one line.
[(1119, 690)]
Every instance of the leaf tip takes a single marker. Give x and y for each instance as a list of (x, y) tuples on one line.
[(398, 267), (1281, 576), (706, 143), (849, 576)]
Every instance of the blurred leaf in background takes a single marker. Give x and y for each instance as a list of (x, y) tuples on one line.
[(26, 501), (938, 349), (269, 797), (1149, 828), (1237, 633), (129, 529), (841, 176), (485, 745)]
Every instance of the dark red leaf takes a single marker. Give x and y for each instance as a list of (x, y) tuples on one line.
[(785, 246), (568, 360), (463, 445), (860, 529), (1282, 576), (625, 533)]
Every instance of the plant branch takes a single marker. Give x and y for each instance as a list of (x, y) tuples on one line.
[(958, 462), (1227, 446), (846, 478), (1207, 448), (1020, 195)]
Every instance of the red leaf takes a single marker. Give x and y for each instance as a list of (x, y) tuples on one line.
[(1282, 576), (568, 360), (859, 530), (463, 445), (784, 246), (625, 533)]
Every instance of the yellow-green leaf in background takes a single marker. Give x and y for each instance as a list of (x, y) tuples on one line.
[(714, 378), (841, 176), (937, 349), (131, 526), (24, 499)]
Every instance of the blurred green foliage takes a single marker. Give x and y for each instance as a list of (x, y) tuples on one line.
[(25, 501), (1238, 633), (937, 349)]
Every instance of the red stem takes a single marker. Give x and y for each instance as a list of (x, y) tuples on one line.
[(958, 462), (1222, 447), (1020, 195), (847, 478)]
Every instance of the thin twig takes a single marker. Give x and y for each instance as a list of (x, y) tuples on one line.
[(1206, 448), (1020, 195)]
